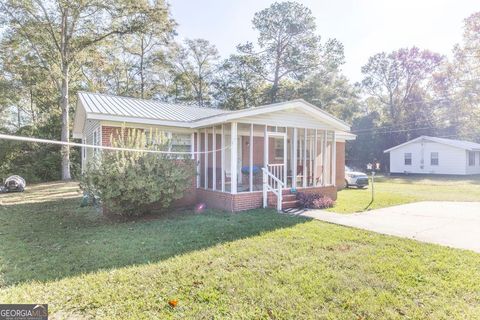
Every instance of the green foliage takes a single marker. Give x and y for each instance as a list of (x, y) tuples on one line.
[(131, 182)]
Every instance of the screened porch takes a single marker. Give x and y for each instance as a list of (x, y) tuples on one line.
[(234, 157)]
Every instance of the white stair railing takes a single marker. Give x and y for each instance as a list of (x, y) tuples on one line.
[(272, 183)]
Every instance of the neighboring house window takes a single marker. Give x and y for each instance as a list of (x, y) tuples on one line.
[(434, 158), (471, 158), (408, 159)]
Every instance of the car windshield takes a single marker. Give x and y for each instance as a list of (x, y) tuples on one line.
[(348, 169)]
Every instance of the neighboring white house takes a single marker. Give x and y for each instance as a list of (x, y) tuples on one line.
[(431, 155)]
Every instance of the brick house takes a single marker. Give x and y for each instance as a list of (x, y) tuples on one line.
[(245, 159)]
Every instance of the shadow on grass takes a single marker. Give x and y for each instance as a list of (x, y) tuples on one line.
[(51, 240)]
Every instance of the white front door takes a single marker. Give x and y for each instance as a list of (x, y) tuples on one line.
[(277, 155)]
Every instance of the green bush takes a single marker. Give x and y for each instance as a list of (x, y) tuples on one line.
[(130, 182)]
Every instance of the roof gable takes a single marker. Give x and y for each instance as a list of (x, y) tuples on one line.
[(461, 144)]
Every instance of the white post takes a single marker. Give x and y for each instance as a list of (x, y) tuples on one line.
[(334, 160), (214, 159), (205, 184), (324, 161), (265, 182), (233, 158), (285, 158), (265, 148), (315, 160), (294, 158), (222, 156), (250, 169), (197, 159), (305, 158)]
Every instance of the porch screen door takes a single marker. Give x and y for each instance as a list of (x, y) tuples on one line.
[(277, 155)]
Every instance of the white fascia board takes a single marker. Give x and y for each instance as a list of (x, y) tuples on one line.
[(107, 117), (319, 114), (403, 144), (345, 136)]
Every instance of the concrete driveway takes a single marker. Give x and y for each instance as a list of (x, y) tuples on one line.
[(453, 224)]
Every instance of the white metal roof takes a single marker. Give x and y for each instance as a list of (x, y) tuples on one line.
[(106, 107), (462, 144), (96, 103)]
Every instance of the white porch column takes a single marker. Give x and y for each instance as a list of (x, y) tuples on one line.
[(233, 158), (334, 160), (265, 148), (315, 162), (197, 159), (214, 159), (205, 185), (324, 160), (305, 158), (250, 169), (285, 162), (294, 158), (222, 157)]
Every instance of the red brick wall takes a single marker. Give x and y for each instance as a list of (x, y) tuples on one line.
[(190, 196)]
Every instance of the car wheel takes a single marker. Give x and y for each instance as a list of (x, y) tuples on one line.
[(346, 184)]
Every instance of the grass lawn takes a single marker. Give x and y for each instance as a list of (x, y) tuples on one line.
[(400, 190), (252, 265)]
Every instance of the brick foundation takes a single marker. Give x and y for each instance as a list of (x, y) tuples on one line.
[(250, 200)]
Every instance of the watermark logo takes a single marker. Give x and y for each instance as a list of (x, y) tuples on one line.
[(23, 312)]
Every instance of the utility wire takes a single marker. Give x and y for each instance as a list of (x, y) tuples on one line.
[(74, 144)]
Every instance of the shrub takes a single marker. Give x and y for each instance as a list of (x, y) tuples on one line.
[(130, 182), (314, 200)]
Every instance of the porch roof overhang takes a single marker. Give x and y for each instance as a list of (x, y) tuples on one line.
[(199, 120)]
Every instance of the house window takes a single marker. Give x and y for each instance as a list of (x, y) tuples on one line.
[(408, 159), (471, 158), (181, 142), (434, 158)]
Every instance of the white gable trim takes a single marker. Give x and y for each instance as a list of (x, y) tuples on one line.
[(300, 104), (431, 139)]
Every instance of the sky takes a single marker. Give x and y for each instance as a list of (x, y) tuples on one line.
[(365, 27)]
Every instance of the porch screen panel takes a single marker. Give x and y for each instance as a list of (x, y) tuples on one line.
[(310, 145), (258, 154), (243, 154), (329, 157), (226, 170), (202, 159), (290, 157), (319, 158), (300, 157), (218, 158), (210, 158)]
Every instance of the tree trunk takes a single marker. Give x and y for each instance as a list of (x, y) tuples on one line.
[(65, 136), (65, 125), (142, 77)]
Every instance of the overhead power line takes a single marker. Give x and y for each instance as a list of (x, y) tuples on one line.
[(74, 144)]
